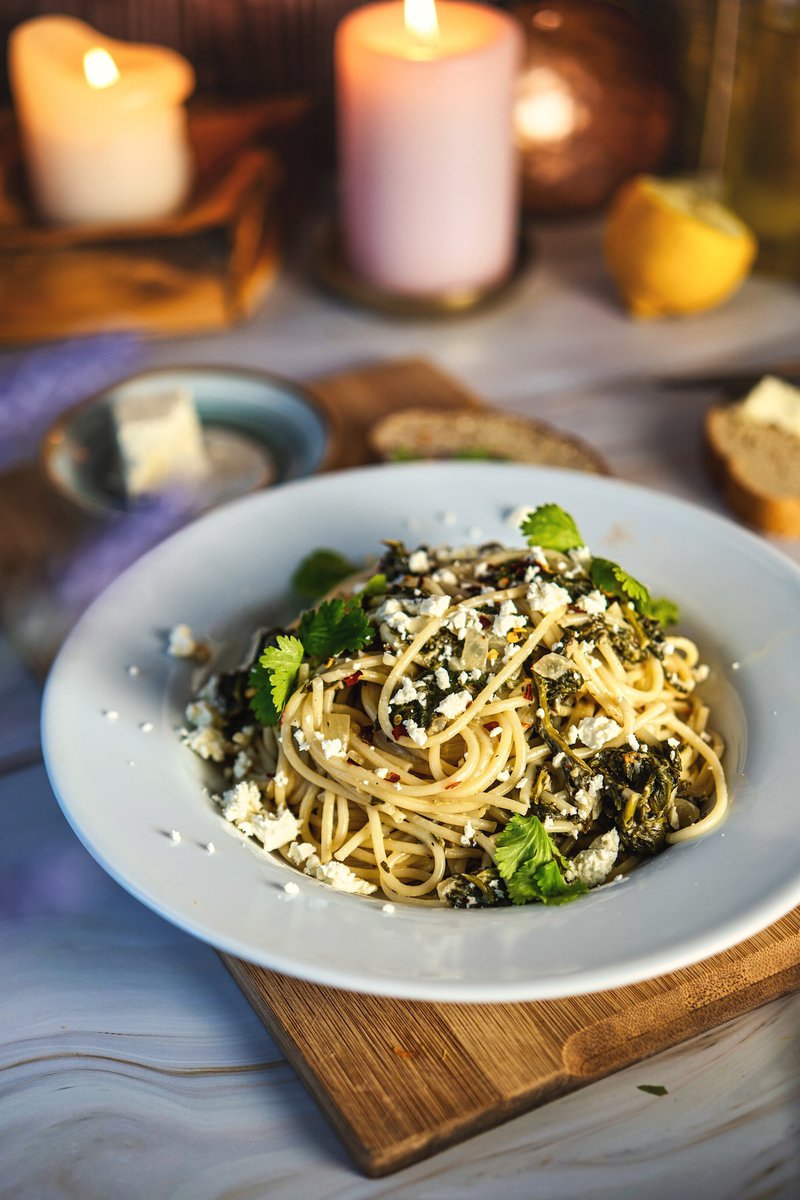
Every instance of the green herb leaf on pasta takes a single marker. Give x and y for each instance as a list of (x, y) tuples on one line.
[(665, 611), (524, 840), (610, 578), (335, 627), (550, 527), (274, 678), (544, 883), (653, 1089), (530, 863), (375, 586), (320, 572)]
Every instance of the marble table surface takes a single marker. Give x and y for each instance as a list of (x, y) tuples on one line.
[(131, 1066)]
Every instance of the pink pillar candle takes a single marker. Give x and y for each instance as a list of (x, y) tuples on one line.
[(427, 160)]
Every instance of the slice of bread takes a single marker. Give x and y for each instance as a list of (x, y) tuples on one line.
[(757, 467), (414, 433)]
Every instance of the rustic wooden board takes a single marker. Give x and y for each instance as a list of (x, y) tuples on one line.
[(400, 1080)]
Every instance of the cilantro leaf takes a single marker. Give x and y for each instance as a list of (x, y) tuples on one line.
[(334, 627), (544, 883), (652, 1089), (665, 611), (274, 677), (610, 578), (551, 528), (530, 863), (524, 840), (320, 572)]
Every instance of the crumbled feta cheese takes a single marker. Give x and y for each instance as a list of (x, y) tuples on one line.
[(462, 621), (417, 734), (405, 694), (673, 742), (333, 748), (382, 772), (587, 799), (110, 714), (242, 764), (271, 830), (419, 563), (207, 742), (701, 672), (445, 577), (546, 597), (468, 834), (200, 713), (593, 604), (454, 704), (300, 739), (281, 779), (475, 533), (633, 741), (388, 909), (593, 865), (669, 647), (507, 619), (442, 678), (147, 727), (335, 873), (594, 732), (240, 802), (210, 848), (496, 732), (160, 439), (558, 759), (449, 518), (174, 836), (503, 776), (134, 670), (182, 642), (434, 606), (291, 888)]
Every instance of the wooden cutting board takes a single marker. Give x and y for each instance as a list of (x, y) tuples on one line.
[(400, 1080)]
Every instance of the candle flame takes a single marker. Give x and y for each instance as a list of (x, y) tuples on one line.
[(421, 19), (99, 68)]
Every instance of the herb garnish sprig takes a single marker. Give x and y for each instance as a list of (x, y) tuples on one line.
[(337, 626), (531, 864), (551, 528)]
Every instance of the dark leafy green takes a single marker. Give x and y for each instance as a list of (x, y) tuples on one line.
[(320, 572)]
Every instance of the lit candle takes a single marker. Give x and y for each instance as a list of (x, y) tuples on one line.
[(102, 122), (428, 172)]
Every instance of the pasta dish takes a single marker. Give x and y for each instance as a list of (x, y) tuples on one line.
[(483, 725)]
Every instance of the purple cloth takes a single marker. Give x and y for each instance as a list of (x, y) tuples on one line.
[(36, 385)]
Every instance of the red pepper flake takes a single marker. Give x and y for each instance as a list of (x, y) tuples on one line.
[(527, 691), (393, 778), (484, 620), (449, 786), (490, 725), (399, 731), (349, 680), (401, 1053)]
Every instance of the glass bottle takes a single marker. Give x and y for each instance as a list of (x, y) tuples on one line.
[(762, 162)]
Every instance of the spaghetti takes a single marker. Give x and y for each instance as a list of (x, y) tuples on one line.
[(495, 683)]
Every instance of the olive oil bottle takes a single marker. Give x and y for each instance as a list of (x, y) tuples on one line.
[(762, 162)]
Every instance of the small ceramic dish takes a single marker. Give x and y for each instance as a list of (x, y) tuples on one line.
[(259, 430)]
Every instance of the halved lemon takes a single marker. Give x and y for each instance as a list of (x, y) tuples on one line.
[(673, 249)]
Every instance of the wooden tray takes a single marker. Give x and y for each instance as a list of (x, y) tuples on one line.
[(204, 268)]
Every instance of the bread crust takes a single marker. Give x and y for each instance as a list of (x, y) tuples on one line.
[(766, 511)]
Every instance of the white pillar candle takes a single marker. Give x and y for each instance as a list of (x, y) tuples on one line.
[(102, 122), (427, 162)]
